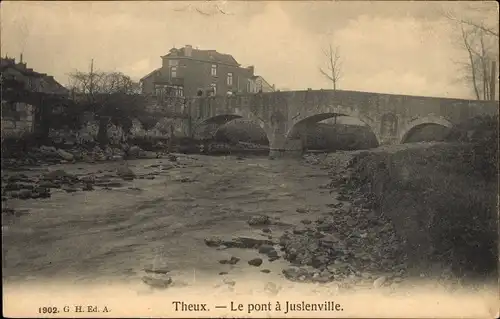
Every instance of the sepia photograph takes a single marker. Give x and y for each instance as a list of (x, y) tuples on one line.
[(250, 159)]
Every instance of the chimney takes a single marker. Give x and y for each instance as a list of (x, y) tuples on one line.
[(21, 58), (188, 50), (251, 68)]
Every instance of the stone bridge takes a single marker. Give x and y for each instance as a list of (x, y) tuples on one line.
[(284, 116)]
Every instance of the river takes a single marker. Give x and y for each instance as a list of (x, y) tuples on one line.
[(114, 233)]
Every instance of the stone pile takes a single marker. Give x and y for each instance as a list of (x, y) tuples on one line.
[(350, 242)]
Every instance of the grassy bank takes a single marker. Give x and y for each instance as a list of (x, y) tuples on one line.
[(441, 199)]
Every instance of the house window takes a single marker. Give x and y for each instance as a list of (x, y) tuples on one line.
[(230, 79), (248, 85), (173, 72), (214, 70), (158, 91), (173, 63), (214, 88)]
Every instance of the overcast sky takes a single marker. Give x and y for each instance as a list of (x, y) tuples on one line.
[(389, 47)]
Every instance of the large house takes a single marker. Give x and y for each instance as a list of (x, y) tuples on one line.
[(191, 72), (17, 117)]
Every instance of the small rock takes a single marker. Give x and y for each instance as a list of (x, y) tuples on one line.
[(300, 230), (259, 220), (306, 221), (232, 261), (266, 230), (255, 262), (271, 259), (156, 270), (222, 273), (266, 271), (213, 242), (88, 179), (302, 211), (379, 282)]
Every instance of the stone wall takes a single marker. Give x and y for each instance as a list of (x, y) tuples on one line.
[(17, 119)]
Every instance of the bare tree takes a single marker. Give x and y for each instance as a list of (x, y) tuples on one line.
[(484, 9), (333, 71), (480, 41)]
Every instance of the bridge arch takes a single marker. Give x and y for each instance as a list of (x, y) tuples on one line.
[(414, 124), (324, 113), (208, 128)]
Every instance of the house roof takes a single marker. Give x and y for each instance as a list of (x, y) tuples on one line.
[(50, 79), (9, 63), (6, 63), (204, 55), (150, 74)]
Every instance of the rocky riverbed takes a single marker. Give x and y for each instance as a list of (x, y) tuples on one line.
[(323, 233)]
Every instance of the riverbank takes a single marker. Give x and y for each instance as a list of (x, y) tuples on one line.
[(441, 200)]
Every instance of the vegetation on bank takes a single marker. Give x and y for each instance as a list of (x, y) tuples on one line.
[(443, 200)]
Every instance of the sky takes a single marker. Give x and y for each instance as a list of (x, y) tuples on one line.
[(386, 47)]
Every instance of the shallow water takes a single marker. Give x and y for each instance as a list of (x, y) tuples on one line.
[(114, 233)]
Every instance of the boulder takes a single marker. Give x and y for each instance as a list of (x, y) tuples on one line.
[(255, 262)]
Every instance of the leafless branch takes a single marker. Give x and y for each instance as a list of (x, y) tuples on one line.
[(476, 25), (333, 72)]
